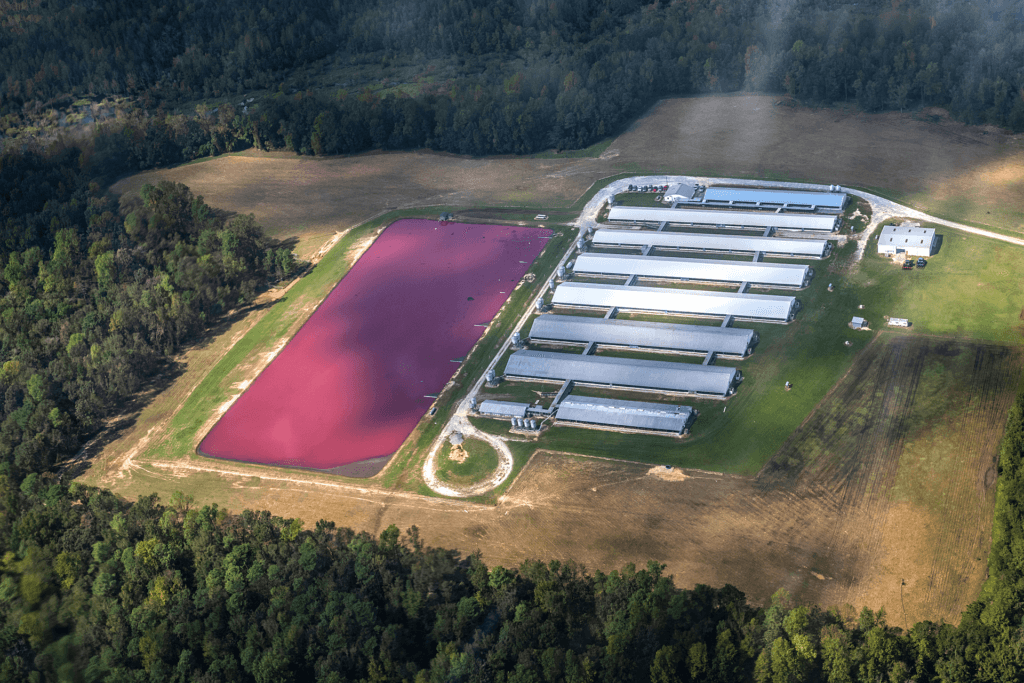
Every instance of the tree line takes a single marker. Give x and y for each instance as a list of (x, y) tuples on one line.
[(95, 296), (96, 588), (526, 75)]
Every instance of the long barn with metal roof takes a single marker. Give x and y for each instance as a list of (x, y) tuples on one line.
[(503, 408), (760, 307), (697, 339), (725, 219), (639, 415), (702, 270), (729, 244), (633, 373), (753, 196)]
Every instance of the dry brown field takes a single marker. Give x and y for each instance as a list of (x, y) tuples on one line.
[(312, 199), (974, 174), (870, 492), (900, 499)]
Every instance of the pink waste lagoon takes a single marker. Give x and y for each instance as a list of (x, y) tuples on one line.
[(351, 385)]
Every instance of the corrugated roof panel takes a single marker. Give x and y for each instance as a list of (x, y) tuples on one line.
[(782, 274), (756, 306), (831, 200), (699, 338), (892, 231), (622, 372), (760, 219), (503, 408), (682, 240), (631, 414)]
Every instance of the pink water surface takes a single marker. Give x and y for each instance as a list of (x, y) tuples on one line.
[(352, 384)]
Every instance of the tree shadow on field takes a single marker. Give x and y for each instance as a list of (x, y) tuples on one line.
[(224, 323), (122, 417), (288, 243)]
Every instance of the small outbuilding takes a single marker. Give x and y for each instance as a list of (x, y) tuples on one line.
[(858, 323), (907, 239)]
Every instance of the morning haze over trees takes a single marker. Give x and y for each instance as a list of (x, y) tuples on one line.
[(98, 294), (519, 76)]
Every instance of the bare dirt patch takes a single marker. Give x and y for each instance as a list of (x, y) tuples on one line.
[(667, 473)]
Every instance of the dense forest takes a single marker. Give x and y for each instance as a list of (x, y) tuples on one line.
[(96, 296), (528, 74), (93, 588)]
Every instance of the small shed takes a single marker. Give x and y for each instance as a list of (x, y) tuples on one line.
[(858, 323), (899, 322)]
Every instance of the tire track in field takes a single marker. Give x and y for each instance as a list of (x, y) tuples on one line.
[(857, 478), (944, 562), (853, 446), (883, 472), (994, 374)]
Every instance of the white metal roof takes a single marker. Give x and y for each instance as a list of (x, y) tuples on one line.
[(680, 192), (906, 235), (785, 246), (632, 414), (758, 219), (503, 408), (622, 372), (698, 338), (781, 274), (752, 195), (756, 306)]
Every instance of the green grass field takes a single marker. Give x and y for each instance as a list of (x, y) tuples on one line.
[(969, 289), (481, 460)]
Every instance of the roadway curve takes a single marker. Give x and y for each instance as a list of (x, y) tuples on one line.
[(460, 423), (882, 209)]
